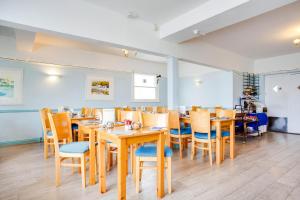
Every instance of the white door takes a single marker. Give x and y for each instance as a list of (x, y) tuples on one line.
[(294, 103)]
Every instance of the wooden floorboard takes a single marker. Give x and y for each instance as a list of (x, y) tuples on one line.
[(267, 167)]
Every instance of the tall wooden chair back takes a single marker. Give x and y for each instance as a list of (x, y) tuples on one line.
[(127, 108), (200, 122), (97, 113), (155, 119), (85, 111), (135, 116), (61, 128), (195, 108), (174, 121), (118, 113), (161, 109), (226, 113), (45, 119), (149, 109)]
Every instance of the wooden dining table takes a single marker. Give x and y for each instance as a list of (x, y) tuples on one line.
[(122, 139), (218, 123)]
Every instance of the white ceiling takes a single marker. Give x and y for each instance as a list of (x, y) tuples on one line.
[(267, 35), (153, 11)]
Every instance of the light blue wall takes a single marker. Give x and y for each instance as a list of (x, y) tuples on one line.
[(21, 122), (216, 89)]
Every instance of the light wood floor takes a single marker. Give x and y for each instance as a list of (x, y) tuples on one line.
[(267, 167)]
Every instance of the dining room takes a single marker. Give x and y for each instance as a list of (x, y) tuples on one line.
[(162, 112)]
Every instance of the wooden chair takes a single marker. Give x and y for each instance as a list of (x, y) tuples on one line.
[(134, 116), (225, 129), (48, 135), (178, 135), (195, 108), (149, 109), (62, 133), (97, 113), (201, 133), (147, 152), (160, 109)]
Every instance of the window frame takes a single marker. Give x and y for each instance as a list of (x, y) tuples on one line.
[(157, 99)]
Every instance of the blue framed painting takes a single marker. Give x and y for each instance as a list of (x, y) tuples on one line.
[(11, 86)]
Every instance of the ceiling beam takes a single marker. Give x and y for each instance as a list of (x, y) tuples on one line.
[(215, 15), (25, 40)]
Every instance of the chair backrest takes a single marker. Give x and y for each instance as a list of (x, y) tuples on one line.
[(200, 121), (127, 108), (118, 114), (97, 113), (85, 111), (161, 109), (61, 128), (174, 121), (225, 113), (195, 108), (135, 116), (149, 109), (155, 119), (45, 120)]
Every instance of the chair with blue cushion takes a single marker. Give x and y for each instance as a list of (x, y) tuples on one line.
[(62, 134), (225, 130), (202, 136), (147, 152), (178, 135), (48, 136)]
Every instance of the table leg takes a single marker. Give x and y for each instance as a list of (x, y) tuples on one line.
[(122, 159), (218, 143), (160, 166), (92, 157), (232, 140), (102, 168)]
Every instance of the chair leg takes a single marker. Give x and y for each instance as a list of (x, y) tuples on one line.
[(223, 148), (83, 170), (203, 150), (79, 169), (45, 148), (109, 158), (137, 175), (73, 165), (180, 147), (193, 150), (169, 163), (131, 159), (141, 169), (57, 171), (210, 152)]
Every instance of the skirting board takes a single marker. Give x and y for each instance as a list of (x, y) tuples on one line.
[(16, 142)]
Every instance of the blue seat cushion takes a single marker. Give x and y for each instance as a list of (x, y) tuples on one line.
[(75, 147), (74, 126), (204, 136), (225, 133), (183, 131), (150, 151)]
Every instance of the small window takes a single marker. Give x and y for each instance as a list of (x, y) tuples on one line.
[(145, 87)]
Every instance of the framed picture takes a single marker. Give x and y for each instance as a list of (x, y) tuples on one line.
[(99, 88), (11, 86)]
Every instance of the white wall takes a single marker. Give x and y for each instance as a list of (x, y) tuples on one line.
[(284, 62), (286, 102), (216, 87)]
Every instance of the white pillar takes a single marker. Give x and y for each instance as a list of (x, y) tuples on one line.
[(173, 83)]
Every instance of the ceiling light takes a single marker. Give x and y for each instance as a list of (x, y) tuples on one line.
[(297, 42), (196, 31), (126, 52), (132, 15)]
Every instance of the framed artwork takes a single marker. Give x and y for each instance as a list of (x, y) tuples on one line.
[(11, 86), (99, 88)]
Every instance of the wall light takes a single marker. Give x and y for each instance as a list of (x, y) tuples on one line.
[(297, 42), (53, 78), (277, 88), (198, 82)]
